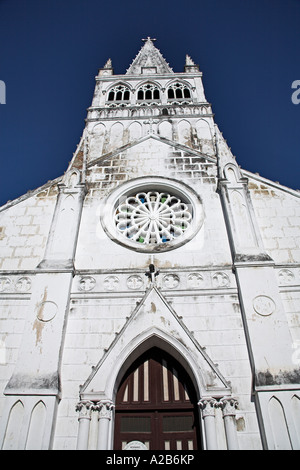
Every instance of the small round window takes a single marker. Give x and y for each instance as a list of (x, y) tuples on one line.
[(152, 214)]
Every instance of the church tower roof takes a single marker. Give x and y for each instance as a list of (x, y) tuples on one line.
[(149, 60)]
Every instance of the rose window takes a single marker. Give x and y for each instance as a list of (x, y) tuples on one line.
[(152, 218)]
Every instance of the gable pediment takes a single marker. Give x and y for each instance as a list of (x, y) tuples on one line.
[(147, 143), (154, 323)]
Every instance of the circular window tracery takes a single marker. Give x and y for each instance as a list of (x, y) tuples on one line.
[(152, 217), (152, 214)]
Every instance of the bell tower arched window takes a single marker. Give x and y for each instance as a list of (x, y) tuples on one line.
[(119, 93), (179, 91), (148, 92)]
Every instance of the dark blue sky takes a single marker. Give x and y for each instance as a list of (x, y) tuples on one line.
[(50, 52)]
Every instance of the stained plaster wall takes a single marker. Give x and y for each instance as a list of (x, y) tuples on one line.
[(152, 158), (210, 310), (203, 291), (25, 225), (278, 216), (211, 313), (277, 211)]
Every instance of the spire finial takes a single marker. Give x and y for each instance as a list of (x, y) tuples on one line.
[(108, 64), (148, 39), (189, 60)]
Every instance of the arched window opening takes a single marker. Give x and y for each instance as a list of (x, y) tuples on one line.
[(179, 91), (148, 92), (156, 404), (119, 94)]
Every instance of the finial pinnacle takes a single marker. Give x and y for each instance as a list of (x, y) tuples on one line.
[(148, 39)]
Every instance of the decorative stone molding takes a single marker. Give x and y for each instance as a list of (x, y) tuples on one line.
[(264, 305), (220, 279), (5, 284), (195, 280), (104, 407), (171, 281), (168, 280), (46, 311), (84, 408), (228, 406), (207, 406), (110, 283), (286, 276), (134, 282), (21, 285), (87, 283)]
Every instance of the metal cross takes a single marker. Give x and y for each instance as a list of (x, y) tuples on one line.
[(152, 273), (149, 39)]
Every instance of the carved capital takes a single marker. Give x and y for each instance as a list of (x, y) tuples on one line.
[(207, 406), (84, 409), (105, 408), (228, 406)]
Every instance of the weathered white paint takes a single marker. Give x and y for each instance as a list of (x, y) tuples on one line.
[(225, 303)]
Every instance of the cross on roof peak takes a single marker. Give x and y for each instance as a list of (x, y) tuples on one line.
[(149, 39)]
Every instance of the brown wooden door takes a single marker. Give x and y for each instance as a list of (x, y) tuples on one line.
[(156, 404)]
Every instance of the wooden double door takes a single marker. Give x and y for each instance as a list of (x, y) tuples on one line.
[(156, 404)]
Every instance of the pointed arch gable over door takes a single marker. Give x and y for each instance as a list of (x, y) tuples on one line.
[(150, 325), (156, 404), (153, 323)]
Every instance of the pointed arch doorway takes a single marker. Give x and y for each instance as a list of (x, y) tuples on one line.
[(156, 404)]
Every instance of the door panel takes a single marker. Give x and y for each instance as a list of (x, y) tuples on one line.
[(156, 404)]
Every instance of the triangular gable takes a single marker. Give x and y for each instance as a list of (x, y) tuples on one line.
[(153, 323), (149, 58), (160, 139)]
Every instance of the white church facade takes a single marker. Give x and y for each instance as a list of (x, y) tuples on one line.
[(150, 296)]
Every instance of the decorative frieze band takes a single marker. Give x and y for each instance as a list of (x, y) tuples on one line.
[(288, 276), (166, 281), (15, 284)]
